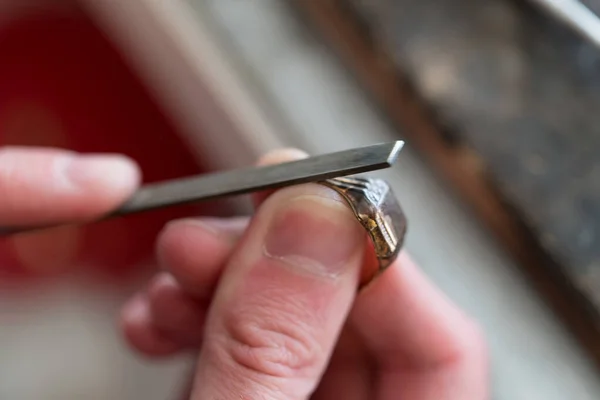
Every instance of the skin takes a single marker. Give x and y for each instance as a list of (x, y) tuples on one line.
[(269, 305), (399, 338)]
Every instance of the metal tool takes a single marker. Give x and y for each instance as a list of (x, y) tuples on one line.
[(247, 180), (576, 15)]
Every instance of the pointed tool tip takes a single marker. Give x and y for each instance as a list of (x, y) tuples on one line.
[(396, 147)]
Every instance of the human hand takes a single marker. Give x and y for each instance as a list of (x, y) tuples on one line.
[(271, 306), (44, 185)]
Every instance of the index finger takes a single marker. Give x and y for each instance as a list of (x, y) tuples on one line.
[(425, 346), (44, 185)]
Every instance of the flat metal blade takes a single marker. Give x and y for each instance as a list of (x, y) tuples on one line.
[(248, 180)]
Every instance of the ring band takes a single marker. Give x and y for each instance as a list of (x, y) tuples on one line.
[(376, 208)]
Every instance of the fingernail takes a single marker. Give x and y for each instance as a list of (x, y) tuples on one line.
[(106, 172), (315, 234), (282, 155), (226, 228)]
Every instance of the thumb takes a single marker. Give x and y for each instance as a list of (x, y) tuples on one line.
[(282, 299)]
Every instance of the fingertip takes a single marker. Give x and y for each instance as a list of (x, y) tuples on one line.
[(111, 177), (162, 286), (43, 185), (194, 253), (398, 307), (163, 296), (175, 314), (424, 343), (274, 157), (281, 155), (140, 333)]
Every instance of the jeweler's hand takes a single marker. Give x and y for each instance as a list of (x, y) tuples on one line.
[(43, 185), (271, 307)]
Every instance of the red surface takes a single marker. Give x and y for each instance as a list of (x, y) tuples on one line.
[(63, 84)]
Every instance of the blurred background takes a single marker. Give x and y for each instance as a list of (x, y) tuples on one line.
[(500, 178)]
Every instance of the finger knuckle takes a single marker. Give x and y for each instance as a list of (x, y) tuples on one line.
[(269, 344)]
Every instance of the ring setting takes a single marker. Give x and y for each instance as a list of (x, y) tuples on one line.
[(376, 208)]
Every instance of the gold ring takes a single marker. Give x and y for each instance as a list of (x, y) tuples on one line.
[(376, 208)]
